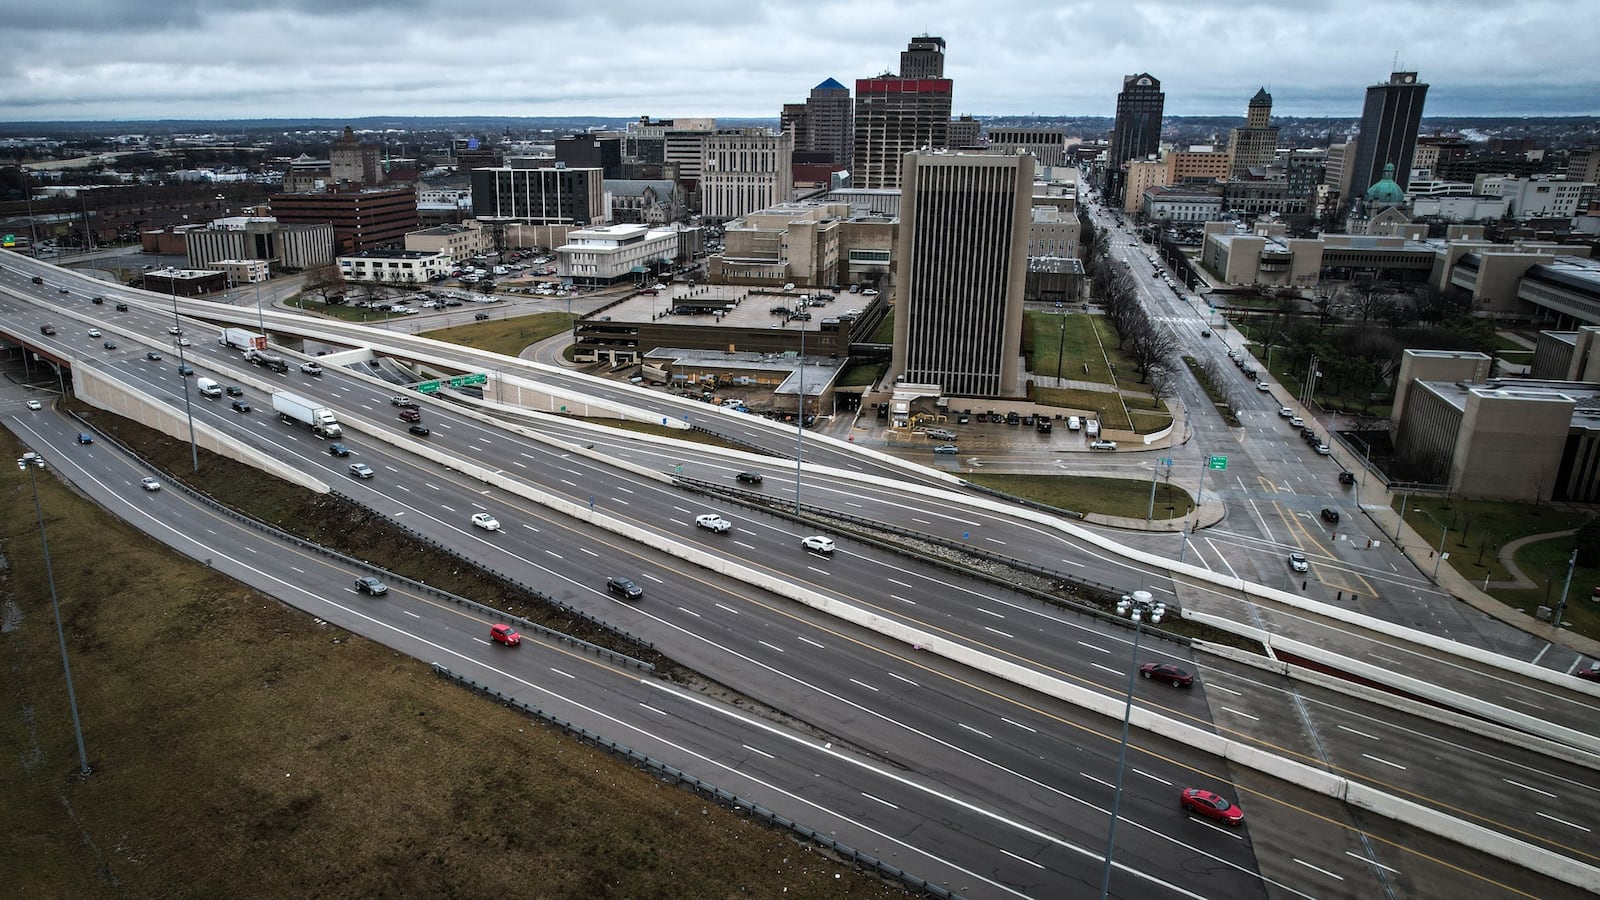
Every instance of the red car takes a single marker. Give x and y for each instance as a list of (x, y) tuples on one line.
[(505, 634), (1590, 674), (1212, 806), (1169, 673)]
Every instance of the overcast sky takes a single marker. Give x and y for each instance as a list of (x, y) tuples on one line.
[(176, 59)]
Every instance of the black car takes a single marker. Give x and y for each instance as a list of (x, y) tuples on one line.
[(234, 390), (122, 307), (337, 449), (152, 355), (110, 345), (1347, 478), (185, 370), (97, 300), (1330, 515), (240, 406), (419, 430), (480, 317), (625, 588), (748, 477)]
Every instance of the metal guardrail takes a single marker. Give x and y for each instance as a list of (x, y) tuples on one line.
[(708, 790)]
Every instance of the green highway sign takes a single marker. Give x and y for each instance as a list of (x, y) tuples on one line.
[(428, 387), (469, 379), (1217, 462)]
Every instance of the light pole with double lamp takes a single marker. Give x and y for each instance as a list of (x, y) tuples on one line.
[(1138, 606), (177, 341), (29, 462)]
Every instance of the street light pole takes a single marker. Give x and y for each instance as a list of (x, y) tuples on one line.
[(31, 461), (177, 339), (1561, 605), (800, 420), (1061, 344)]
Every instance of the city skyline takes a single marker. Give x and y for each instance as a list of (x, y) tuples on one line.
[(101, 60)]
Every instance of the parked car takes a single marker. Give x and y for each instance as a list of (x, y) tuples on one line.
[(1285, 412), (1330, 515), (1592, 673), (338, 449), (1323, 449), (149, 483), (713, 523), (817, 543), (1299, 563), (1211, 806), (941, 434), (1171, 674), (748, 477), (505, 634), (1297, 422), (625, 588), (360, 470), (370, 585), (1102, 445), (485, 521), (1263, 386)]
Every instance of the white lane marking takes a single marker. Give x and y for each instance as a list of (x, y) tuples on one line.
[(754, 750), (1019, 859), (1153, 777), (903, 678), (975, 731), (864, 684), (1018, 724), (1093, 647), (1317, 869), (1379, 759), (727, 609), (1218, 687), (902, 599), (1562, 821), (1371, 862), (563, 674), (590, 552), (901, 584), (811, 642), (659, 712), (1369, 737), (1527, 787), (691, 612), (879, 799), (771, 646), (989, 612), (1107, 669), (999, 632), (410, 613), (1239, 713)]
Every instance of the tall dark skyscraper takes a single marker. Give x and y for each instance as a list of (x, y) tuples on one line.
[(923, 58), (1137, 130), (1389, 124)]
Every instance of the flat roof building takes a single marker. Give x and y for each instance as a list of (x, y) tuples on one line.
[(361, 219)]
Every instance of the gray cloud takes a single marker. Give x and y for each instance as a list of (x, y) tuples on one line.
[(111, 59)]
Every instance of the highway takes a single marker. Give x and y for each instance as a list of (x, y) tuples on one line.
[(919, 714)]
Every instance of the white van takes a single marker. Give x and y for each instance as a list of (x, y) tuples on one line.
[(1091, 428), (208, 388), (1074, 423)]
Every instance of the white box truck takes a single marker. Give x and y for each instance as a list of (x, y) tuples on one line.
[(208, 389), (291, 408), (1091, 428), (242, 339)]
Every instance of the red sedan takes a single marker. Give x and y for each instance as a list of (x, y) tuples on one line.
[(1211, 806), (505, 634), (1590, 674), (1169, 673)]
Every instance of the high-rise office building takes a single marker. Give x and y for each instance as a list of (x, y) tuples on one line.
[(1256, 144), (539, 194), (923, 58), (1136, 132), (591, 151), (743, 170), (962, 253), (824, 124), (350, 160), (1389, 124), (895, 116)]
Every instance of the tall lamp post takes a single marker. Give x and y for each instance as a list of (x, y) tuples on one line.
[(177, 340), (800, 420), (1444, 532), (1138, 606), (1061, 345), (29, 462)]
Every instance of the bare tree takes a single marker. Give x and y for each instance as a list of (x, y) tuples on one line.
[(324, 282)]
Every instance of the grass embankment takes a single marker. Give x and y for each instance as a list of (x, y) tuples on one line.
[(1091, 494), (1479, 528), (507, 336), (241, 748)]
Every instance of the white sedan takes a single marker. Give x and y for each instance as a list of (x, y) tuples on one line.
[(34, 404), (149, 483), (713, 522), (817, 543), (486, 521)]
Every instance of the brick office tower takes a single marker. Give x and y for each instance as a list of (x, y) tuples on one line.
[(1136, 132), (898, 114), (1254, 146), (1389, 124), (963, 257), (361, 220)]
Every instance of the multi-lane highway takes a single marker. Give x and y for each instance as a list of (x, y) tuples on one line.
[(1033, 771)]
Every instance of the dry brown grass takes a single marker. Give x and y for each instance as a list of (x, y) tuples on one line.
[(242, 749)]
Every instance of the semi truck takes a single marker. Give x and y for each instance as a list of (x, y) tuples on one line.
[(291, 408), (242, 339)]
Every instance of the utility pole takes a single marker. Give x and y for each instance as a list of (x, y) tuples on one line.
[(1561, 605)]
